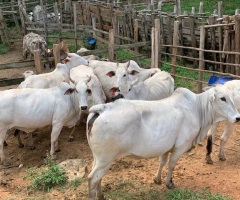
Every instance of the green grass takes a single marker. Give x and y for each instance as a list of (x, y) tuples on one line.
[(185, 194), (3, 49), (129, 190), (46, 178), (229, 6), (76, 182)]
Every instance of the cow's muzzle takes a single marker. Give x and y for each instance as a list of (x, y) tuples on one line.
[(83, 107), (237, 119)]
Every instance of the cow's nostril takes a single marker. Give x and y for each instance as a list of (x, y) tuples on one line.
[(237, 119), (84, 107)]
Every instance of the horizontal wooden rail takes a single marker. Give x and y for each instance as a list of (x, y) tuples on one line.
[(206, 71), (117, 47), (8, 82), (22, 64), (197, 49), (218, 25), (208, 61)]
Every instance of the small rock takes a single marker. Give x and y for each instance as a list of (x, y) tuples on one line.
[(75, 168), (20, 166)]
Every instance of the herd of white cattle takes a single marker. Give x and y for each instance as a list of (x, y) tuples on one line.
[(132, 112)]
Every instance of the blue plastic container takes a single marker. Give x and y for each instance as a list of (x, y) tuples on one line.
[(91, 41), (213, 80)]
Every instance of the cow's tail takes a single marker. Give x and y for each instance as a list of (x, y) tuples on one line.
[(94, 113), (209, 145)]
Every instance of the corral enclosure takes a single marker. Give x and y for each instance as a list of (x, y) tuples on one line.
[(191, 45)]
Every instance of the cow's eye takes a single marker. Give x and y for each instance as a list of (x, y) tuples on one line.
[(89, 92), (124, 75), (223, 99), (129, 90)]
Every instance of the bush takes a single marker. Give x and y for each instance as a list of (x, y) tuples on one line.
[(46, 178)]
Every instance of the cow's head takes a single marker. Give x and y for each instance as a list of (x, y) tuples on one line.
[(221, 99), (82, 91), (26, 74), (73, 60)]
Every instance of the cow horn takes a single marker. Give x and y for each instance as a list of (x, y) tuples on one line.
[(71, 80), (89, 78), (128, 64)]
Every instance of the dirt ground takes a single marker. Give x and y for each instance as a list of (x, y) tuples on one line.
[(191, 171)]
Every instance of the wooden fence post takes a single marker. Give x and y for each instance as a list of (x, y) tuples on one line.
[(94, 21), (75, 23), (174, 48), (56, 54), (237, 43), (153, 48), (156, 43), (136, 34), (111, 45), (194, 41), (220, 30), (201, 58), (178, 4), (201, 8), (193, 11), (213, 41), (37, 61)]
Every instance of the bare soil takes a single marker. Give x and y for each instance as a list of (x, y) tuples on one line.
[(191, 172)]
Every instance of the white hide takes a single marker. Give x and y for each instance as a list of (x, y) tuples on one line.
[(229, 127), (28, 109), (129, 72), (54, 78), (26, 74), (147, 129), (85, 79), (159, 86)]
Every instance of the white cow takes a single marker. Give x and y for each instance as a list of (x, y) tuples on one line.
[(48, 80), (89, 88), (60, 74), (147, 129), (129, 72), (28, 109), (106, 71), (229, 127), (159, 86), (26, 74)]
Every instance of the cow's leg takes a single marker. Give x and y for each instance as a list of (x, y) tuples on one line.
[(24, 54), (2, 139), (176, 154), (56, 129), (162, 162), (5, 143), (18, 135), (71, 138), (228, 129), (94, 180), (30, 142), (211, 135)]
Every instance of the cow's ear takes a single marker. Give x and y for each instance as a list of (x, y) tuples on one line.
[(111, 74), (69, 91), (128, 64), (212, 97), (133, 72)]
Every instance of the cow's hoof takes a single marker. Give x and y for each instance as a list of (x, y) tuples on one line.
[(54, 157), (209, 160), (21, 145), (32, 147), (170, 186), (157, 181), (57, 150), (5, 143), (222, 158), (70, 139)]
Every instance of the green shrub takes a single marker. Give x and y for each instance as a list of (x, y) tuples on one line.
[(46, 178)]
